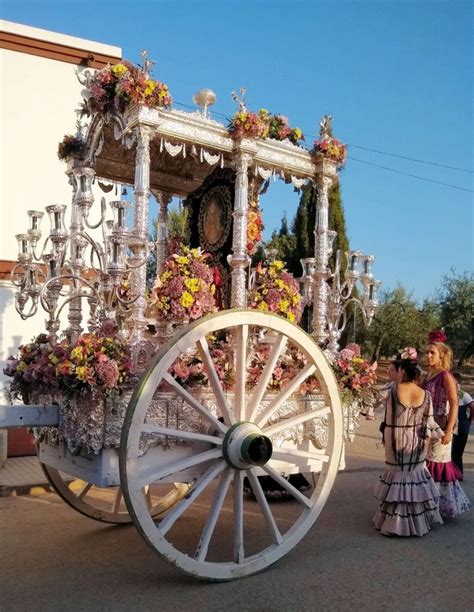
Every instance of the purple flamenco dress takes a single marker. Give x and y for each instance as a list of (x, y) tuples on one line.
[(407, 494), (453, 501)]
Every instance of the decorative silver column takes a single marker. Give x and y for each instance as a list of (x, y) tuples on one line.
[(138, 243), (239, 260), (163, 198), (80, 177), (321, 255)]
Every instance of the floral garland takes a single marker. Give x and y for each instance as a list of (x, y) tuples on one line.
[(115, 88), (71, 145), (185, 289), (247, 124), (355, 375), (331, 148), (97, 364), (254, 227), (276, 291)]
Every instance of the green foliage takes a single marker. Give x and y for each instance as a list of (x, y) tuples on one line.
[(456, 301), (399, 322)]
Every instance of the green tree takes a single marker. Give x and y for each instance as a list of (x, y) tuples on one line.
[(456, 300), (399, 322)]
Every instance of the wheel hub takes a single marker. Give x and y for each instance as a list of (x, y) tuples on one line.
[(245, 446)]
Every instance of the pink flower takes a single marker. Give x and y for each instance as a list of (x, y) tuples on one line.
[(355, 348), (108, 373)]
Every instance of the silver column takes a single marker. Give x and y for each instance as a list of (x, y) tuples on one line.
[(239, 260)]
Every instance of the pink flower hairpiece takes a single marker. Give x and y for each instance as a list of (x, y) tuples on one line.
[(437, 335), (409, 353)]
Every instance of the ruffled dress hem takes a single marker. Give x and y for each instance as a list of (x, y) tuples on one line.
[(408, 503)]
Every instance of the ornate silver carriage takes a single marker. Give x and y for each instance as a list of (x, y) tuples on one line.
[(151, 453)]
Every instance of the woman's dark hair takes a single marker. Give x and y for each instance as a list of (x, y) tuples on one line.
[(409, 367)]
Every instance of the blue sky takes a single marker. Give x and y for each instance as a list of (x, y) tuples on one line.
[(396, 76)]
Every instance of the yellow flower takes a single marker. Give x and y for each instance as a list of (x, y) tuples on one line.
[(81, 373), (290, 316), (278, 265), (193, 284), (182, 260), (77, 354), (296, 299), (21, 367), (150, 87), (252, 216), (262, 306), (283, 305), (54, 360), (118, 70), (279, 284), (252, 231), (165, 276), (187, 300)]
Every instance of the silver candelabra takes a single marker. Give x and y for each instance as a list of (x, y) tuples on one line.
[(72, 266)]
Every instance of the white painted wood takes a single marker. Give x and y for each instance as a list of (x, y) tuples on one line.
[(187, 397), (288, 486), (299, 418), (286, 393), (30, 415), (263, 503), (182, 433), (216, 385), (196, 490), (214, 512), (239, 551), (242, 334), (134, 475), (259, 392)]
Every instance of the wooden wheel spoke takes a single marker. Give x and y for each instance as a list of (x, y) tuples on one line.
[(189, 399), (240, 370), (206, 535), (277, 349), (216, 385), (239, 553), (117, 500), (181, 433), (85, 490), (293, 491), (147, 474), (174, 514), (296, 420), (264, 506), (293, 386), (288, 454)]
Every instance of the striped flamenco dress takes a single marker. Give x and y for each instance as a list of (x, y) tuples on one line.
[(407, 494)]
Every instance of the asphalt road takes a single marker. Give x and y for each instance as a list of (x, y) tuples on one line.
[(52, 558)]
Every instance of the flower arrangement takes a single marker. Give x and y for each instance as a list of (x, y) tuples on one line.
[(189, 370), (278, 127), (287, 368), (185, 289), (355, 375), (254, 227), (331, 148), (437, 335), (408, 353), (97, 364), (263, 124), (71, 145), (246, 124), (276, 291), (115, 88), (93, 363), (33, 370)]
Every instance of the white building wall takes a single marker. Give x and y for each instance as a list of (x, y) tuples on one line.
[(37, 103)]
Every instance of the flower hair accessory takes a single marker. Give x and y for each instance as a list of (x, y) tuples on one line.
[(437, 335), (408, 353)]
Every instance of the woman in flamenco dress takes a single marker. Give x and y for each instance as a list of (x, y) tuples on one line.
[(441, 385), (407, 494)]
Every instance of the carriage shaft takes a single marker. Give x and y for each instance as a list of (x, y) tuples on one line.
[(35, 415)]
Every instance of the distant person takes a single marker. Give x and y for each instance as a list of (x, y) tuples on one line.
[(407, 493), (465, 414), (442, 387)]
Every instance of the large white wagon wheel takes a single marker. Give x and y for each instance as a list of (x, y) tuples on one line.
[(106, 504), (227, 534)]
